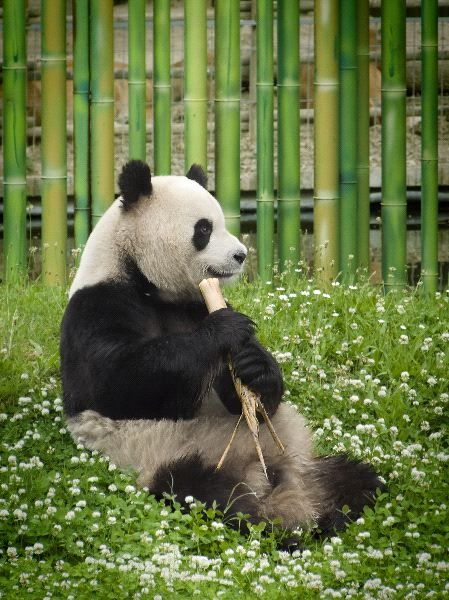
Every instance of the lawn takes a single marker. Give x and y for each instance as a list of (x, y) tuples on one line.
[(370, 372)]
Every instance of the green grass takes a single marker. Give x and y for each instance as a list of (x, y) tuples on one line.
[(369, 372)]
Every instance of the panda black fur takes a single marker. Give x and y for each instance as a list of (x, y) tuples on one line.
[(144, 367)]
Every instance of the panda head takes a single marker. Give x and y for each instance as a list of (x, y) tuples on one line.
[(174, 231)]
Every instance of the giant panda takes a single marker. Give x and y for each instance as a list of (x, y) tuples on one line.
[(145, 375)]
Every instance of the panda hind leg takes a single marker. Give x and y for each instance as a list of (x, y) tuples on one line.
[(345, 483), (190, 476)]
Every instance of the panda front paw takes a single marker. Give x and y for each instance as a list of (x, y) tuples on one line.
[(229, 330), (258, 370)]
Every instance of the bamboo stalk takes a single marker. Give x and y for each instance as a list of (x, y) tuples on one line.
[(102, 106), (326, 140), (14, 139), (429, 148), (289, 222), (210, 289), (195, 83), (227, 111), (161, 87), (54, 141), (265, 135), (348, 139), (362, 111), (136, 80), (81, 120), (394, 202)]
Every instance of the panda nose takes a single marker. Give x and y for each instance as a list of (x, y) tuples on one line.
[(240, 257)]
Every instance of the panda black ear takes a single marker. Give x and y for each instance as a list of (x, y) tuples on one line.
[(197, 174), (134, 181)]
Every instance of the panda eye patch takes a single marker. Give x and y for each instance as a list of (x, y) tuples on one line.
[(202, 232)]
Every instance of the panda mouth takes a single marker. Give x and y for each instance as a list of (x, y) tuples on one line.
[(220, 274)]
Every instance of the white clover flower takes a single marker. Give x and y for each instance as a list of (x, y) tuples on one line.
[(70, 515), (417, 475), (336, 541), (327, 549), (442, 457), (24, 400), (375, 553), (19, 514), (424, 557), (38, 548), (373, 584)]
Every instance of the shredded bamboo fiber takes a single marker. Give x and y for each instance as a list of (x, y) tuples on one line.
[(210, 288)]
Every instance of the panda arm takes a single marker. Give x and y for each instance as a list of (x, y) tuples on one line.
[(117, 361), (257, 369)]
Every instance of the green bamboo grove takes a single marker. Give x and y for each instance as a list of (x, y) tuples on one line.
[(212, 101), (265, 139), (136, 80), (54, 145), (362, 127), (161, 87), (288, 133), (326, 193), (195, 83), (348, 139), (227, 110), (14, 139), (101, 46), (81, 121), (429, 149), (394, 199)]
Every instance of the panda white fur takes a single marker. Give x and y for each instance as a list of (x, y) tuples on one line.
[(144, 367)]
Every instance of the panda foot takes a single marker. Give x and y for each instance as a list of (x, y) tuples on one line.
[(349, 486)]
